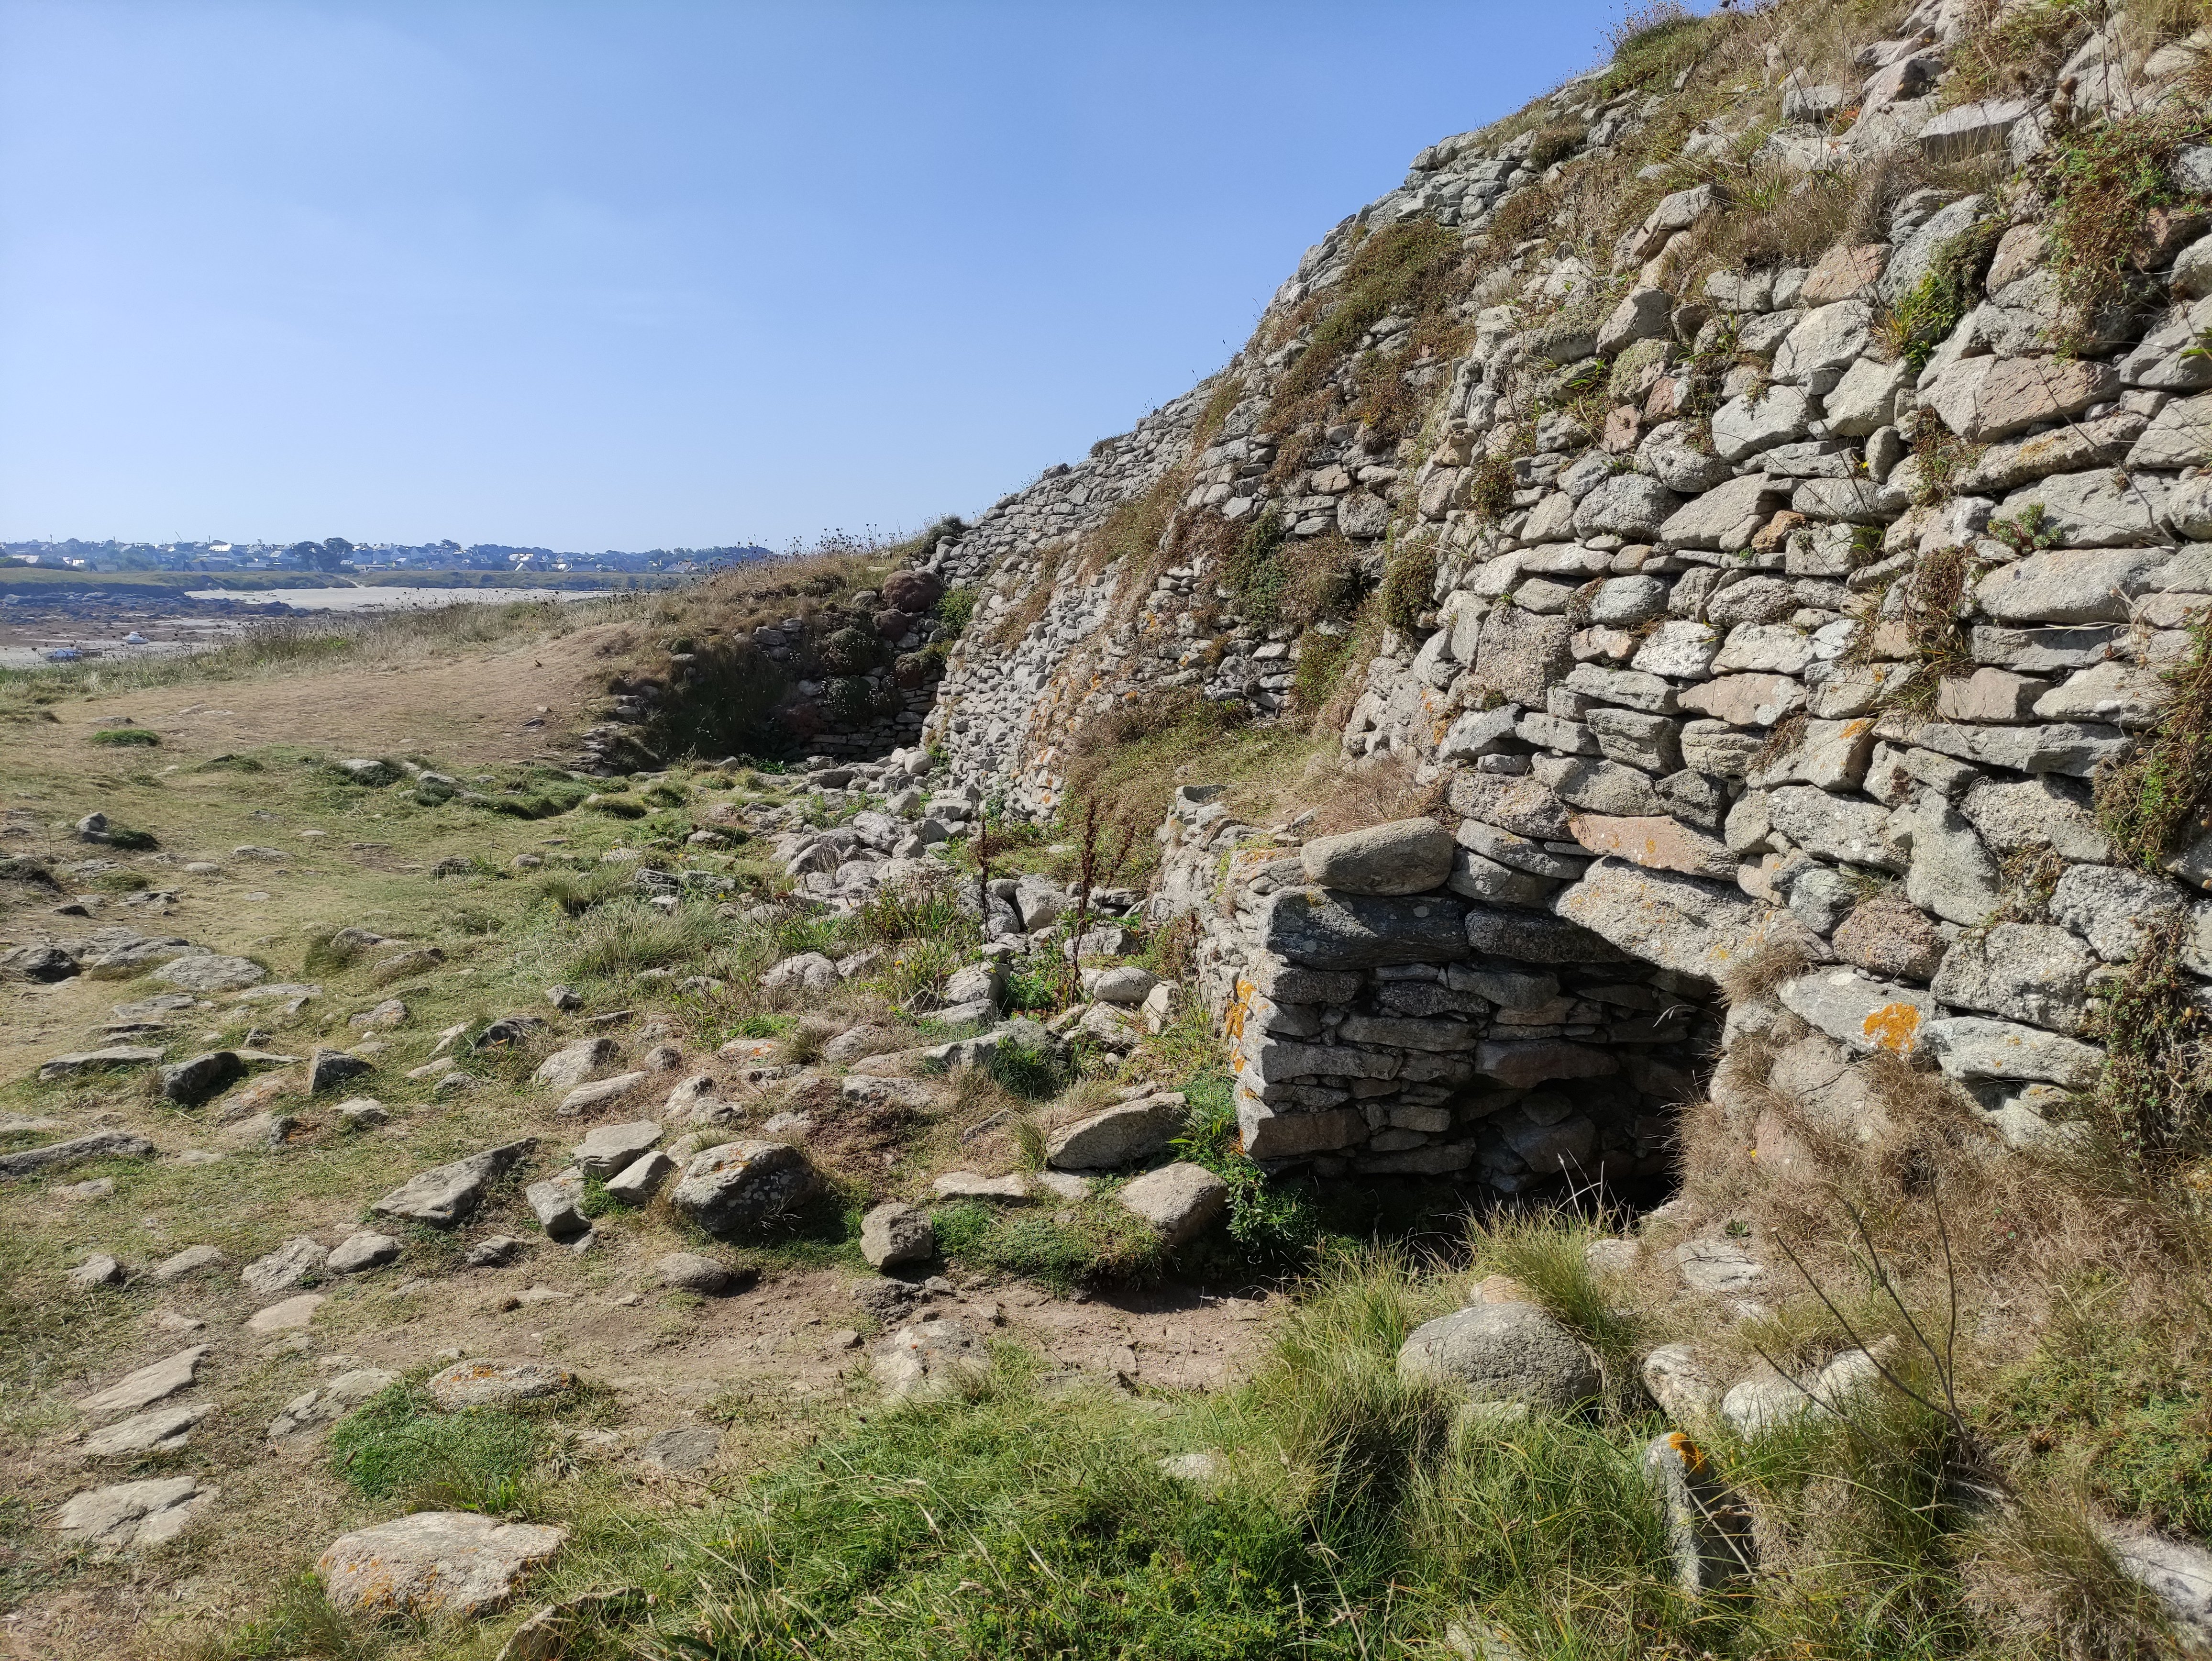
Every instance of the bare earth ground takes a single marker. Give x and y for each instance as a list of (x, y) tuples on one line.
[(769, 1362), (502, 705)]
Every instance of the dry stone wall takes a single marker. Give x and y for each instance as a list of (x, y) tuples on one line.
[(1760, 637)]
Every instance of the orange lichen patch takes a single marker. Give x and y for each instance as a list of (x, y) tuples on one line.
[(1233, 1017), (1894, 1026), (1692, 1456)]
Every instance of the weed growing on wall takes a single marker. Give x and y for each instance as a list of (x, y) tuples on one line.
[(2147, 801)]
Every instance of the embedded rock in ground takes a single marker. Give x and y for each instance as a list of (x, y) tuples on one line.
[(98, 1271), (1679, 923), (205, 972), (687, 1271), (1502, 1353), (1709, 1527), (1680, 1383), (1762, 1404), (1010, 1190), (935, 1357), (1118, 1136), (132, 1515), (496, 1384), (190, 1261), (586, 1097), (740, 1185), (1862, 1014), (316, 1410), (444, 1196), (327, 1068), (572, 1064), (453, 1563), (857, 1041), (895, 1234), (189, 1083), (809, 972), (1408, 856), (285, 1316), (1718, 1266), (112, 1059), (685, 1448), (1182, 1201), (148, 1385), (56, 1156), (360, 1251), (641, 1179), (1126, 985), (2175, 1571), (290, 1264), (607, 1148), (558, 1203), (164, 1428)]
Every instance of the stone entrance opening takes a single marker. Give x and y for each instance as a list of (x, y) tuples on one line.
[(1388, 1017)]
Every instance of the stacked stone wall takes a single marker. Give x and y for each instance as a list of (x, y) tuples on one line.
[(1754, 636)]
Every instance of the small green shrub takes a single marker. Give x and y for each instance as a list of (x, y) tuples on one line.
[(2103, 184), (2146, 801), (1409, 578), (1406, 266), (1924, 319), (1489, 487), (2153, 1095), (955, 607), (577, 892), (126, 736)]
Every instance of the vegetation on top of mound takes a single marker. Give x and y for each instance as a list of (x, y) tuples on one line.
[(1651, 43)]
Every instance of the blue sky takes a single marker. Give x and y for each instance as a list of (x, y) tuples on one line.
[(638, 274)]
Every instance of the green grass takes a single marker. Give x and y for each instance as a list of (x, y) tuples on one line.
[(2127, 1406), (1091, 1242), (397, 1445), (126, 736)]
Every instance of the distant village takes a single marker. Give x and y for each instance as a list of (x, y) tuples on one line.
[(338, 554)]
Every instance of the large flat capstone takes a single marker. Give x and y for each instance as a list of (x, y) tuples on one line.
[(1684, 923), (1318, 929)]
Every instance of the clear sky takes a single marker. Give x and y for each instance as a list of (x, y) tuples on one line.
[(638, 274)]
